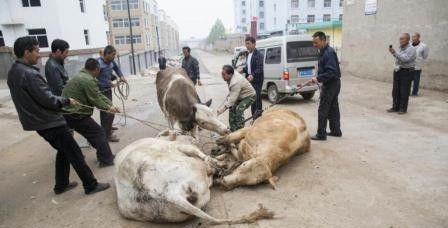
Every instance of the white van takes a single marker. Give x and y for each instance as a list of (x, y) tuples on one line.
[(288, 61)]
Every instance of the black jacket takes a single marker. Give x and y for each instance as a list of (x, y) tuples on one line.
[(56, 75), (37, 107), (162, 63), (328, 65), (256, 64), (191, 65)]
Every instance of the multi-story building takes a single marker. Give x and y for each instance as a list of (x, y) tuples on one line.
[(145, 20), (80, 22), (169, 34), (290, 16)]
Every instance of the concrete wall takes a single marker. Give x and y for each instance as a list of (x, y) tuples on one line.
[(366, 38), (6, 60)]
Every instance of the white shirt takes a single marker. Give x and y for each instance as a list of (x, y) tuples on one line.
[(249, 68), (422, 53)]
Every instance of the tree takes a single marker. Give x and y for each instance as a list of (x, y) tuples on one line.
[(217, 32)]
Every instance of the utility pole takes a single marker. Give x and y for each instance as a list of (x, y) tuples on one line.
[(132, 38), (158, 41)]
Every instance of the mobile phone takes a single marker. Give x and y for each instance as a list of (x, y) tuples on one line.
[(390, 46)]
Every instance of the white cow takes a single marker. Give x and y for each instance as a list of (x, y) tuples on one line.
[(167, 181)]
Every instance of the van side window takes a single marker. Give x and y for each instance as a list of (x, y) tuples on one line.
[(274, 55), (262, 52)]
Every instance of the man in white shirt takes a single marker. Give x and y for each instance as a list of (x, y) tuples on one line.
[(422, 54)]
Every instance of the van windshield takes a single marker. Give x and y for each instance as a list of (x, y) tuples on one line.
[(301, 51)]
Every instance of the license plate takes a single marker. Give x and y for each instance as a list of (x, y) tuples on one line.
[(305, 73)]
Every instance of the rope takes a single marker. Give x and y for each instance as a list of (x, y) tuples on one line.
[(122, 91)]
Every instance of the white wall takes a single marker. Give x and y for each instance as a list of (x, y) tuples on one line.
[(62, 19)]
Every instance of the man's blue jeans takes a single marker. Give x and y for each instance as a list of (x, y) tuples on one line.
[(416, 82)]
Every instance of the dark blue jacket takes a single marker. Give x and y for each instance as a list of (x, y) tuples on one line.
[(256, 64), (328, 65), (106, 74)]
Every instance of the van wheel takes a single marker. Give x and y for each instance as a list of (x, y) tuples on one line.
[(273, 95), (307, 96)]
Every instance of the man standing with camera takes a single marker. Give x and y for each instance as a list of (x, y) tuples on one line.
[(403, 74)]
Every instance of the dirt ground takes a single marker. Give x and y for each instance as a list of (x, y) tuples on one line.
[(386, 171)]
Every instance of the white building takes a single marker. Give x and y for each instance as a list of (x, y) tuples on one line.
[(283, 15), (80, 22)]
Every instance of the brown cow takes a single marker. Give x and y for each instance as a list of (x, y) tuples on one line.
[(180, 103), (274, 138)]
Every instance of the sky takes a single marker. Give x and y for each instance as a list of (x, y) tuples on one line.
[(195, 18)]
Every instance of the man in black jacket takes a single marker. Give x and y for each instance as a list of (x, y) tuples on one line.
[(39, 110), (162, 62), (255, 74), (55, 72), (329, 75), (191, 65)]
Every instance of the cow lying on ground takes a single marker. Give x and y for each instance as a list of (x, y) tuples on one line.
[(168, 181), (180, 103), (274, 138)]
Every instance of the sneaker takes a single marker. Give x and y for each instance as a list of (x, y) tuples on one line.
[(98, 188), (113, 138), (69, 187), (106, 164)]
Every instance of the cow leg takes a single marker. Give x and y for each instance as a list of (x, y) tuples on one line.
[(251, 172), (193, 151), (234, 137)]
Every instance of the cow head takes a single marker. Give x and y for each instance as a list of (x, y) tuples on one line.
[(206, 118)]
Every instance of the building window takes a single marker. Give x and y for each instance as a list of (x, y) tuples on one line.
[(261, 26), (327, 17), (124, 22), (40, 35), (82, 5), (274, 55), (2, 40), (275, 21), (28, 3), (243, 3), (137, 39), (244, 29), (122, 4), (311, 3), (341, 3), (147, 40), (261, 14), (275, 7), (294, 19), (243, 20), (340, 17), (310, 19), (294, 3), (86, 36), (244, 12), (261, 3), (327, 3)]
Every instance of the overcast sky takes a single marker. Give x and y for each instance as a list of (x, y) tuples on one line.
[(196, 17)]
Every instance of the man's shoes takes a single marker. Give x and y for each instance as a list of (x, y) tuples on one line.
[(69, 187), (392, 110), (401, 112), (319, 138), (106, 164), (114, 128), (113, 138), (98, 188), (334, 134), (414, 95)]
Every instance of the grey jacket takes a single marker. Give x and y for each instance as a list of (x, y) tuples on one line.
[(239, 89), (37, 107), (56, 75)]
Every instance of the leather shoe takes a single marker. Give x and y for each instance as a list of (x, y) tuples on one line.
[(401, 112), (319, 138), (392, 110), (69, 187), (114, 128), (98, 188), (104, 164), (339, 134), (113, 138)]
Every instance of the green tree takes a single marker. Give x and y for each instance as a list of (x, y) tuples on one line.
[(217, 32)]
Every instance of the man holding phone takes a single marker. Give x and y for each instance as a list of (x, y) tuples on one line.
[(403, 74)]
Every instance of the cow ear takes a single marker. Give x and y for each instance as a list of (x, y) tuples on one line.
[(208, 103)]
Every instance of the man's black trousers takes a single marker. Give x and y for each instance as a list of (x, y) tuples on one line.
[(107, 119), (402, 89), (94, 134), (329, 108), (68, 152), (257, 107)]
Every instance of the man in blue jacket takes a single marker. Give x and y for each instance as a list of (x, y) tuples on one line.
[(329, 75), (255, 74)]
